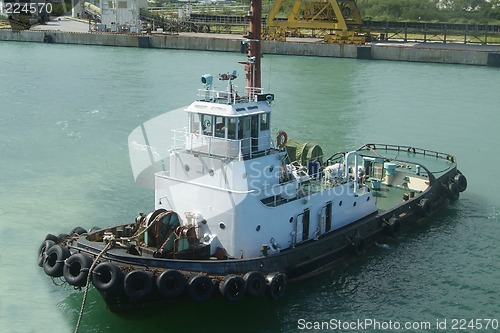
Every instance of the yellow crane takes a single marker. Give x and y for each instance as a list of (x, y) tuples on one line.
[(340, 19)]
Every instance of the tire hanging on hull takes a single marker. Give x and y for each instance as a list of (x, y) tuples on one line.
[(453, 191), (138, 284), (78, 231), (76, 269), (52, 237), (392, 227), (200, 288), (107, 277), (357, 245), (461, 182), (42, 250), (276, 285), (54, 260), (425, 207), (255, 284), (171, 283), (232, 287)]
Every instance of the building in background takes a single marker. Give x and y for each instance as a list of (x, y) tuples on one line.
[(121, 15)]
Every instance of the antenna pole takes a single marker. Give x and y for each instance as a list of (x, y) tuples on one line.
[(252, 67)]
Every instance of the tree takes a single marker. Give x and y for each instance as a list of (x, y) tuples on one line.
[(465, 11)]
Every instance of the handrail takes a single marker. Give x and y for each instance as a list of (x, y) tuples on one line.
[(409, 149), (233, 148), (336, 156), (212, 95)]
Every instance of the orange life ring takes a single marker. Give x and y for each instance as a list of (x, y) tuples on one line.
[(281, 139)]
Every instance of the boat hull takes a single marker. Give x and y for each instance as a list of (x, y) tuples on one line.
[(305, 260)]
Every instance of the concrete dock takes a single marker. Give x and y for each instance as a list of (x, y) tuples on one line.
[(69, 31)]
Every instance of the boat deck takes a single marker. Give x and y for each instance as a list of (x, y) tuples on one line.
[(413, 168), (389, 196), (435, 162), (409, 161)]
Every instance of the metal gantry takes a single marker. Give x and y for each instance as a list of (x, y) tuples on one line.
[(338, 21)]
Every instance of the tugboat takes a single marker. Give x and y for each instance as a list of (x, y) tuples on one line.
[(240, 213)]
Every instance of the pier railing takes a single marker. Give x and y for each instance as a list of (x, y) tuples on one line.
[(388, 30)]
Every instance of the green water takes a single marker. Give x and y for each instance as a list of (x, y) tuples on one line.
[(66, 113)]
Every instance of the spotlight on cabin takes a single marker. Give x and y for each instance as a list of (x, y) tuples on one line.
[(207, 80)]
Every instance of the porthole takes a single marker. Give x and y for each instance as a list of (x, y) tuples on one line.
[(271, 168), (354, 204), (258, 228), (211, 172), (186, 167), (367, 198), (291, 219), (340, 203), (222, 225)]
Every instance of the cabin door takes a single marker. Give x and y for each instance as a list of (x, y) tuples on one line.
[(255, 133), (302, 227), (245, 135), (326, 218)]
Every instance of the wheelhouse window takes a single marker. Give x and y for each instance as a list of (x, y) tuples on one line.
[(264, 121), (243, 127), (207, 124), (194, 123), (220, 127), (231, 128)]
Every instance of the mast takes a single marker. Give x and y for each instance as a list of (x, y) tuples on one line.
[(252, 66)]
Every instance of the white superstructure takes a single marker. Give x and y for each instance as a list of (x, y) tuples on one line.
[(227, 177)]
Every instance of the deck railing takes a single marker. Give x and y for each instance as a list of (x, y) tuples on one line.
[(229, 96), (214, 146), (409, 149)]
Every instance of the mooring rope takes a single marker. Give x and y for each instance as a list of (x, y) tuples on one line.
[(145, 222), (105, 248)]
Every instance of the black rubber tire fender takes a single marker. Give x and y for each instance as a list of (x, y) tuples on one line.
[(357, 245), (255, 284), (200, 288), (61, 237), (232, 287), (453, 191), (171, 283), (78, 230), (425, 207), (52, 237), (138, 284), (276, 285), (393, 227), (107, 277), (94, 229), (461, 181), (54, 262), (42, 250), (76, 269)]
